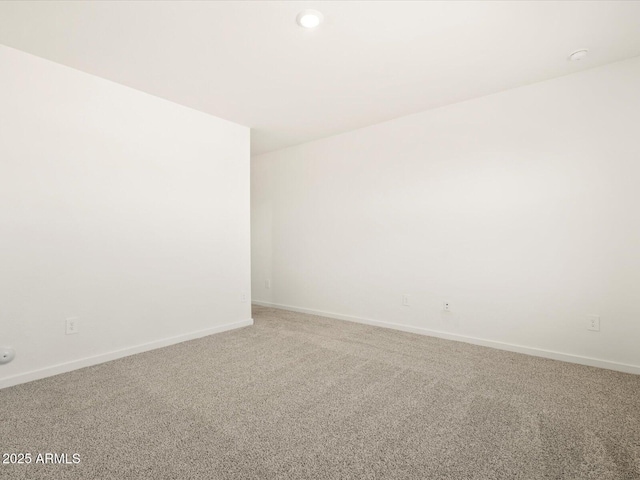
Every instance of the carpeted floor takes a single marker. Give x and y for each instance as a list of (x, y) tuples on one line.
[(304, 397)]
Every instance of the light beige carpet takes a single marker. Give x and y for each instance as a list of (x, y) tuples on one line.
[(304, 397)]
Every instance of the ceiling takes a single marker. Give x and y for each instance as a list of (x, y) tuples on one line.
[(369, 61)]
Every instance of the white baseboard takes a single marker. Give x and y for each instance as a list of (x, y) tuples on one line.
[(537, 352), (125, 352)]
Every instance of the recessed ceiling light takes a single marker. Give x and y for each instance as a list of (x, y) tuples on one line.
[(578, 55), (309, 18)]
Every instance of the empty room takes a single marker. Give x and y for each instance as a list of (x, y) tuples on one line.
[(319, 240)]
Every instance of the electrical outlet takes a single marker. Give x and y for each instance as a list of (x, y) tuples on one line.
[(446, 306), (244, 297), (267, 283), (72, 325), (593, 323), (405, 300)]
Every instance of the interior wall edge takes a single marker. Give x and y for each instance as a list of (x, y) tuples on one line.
[(117, 354), (509, 347)]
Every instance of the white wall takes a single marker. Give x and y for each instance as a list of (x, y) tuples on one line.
[(117, 207), (520, 208)]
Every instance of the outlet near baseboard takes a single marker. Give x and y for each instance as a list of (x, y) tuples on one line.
[(72, 325)]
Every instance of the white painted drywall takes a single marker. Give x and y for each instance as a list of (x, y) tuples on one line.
[(116, 207), (519, 208)]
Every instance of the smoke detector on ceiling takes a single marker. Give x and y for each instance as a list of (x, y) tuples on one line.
[(579, 55)]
